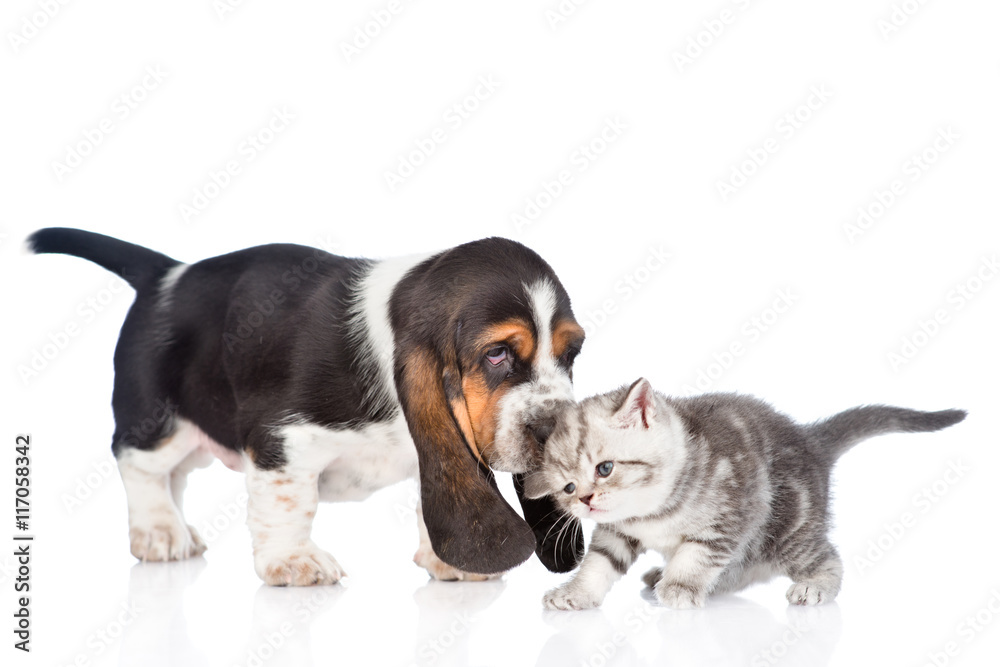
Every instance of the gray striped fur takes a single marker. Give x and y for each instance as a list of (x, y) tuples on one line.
[(729, 490)]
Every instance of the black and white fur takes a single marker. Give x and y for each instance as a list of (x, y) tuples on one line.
[(730, 491), (288, 363)]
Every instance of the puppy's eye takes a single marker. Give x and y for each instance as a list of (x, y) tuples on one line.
[(569, 356), (570, 488), (496, 355), (604, 469)]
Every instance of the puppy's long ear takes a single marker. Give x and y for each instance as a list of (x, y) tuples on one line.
[(558, 536), (470, 525)]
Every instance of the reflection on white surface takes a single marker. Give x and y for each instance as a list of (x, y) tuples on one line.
[(448, 610), (283, 619), (728, 631), (205, 613), (157, 635), (214, 611)]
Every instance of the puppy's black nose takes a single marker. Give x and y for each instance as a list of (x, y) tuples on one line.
[(542, 429)]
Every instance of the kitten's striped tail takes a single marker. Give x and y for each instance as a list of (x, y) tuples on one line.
[(842, 431)]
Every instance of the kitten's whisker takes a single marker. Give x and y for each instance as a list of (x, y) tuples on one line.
[(558, 537), (566, 523), (554, 524)]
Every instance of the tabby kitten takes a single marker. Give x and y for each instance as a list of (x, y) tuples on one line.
[(729, 490)]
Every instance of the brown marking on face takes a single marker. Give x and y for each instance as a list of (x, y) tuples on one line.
[(461, 411), (564, 334), (475, 411), (481, 405), (281, 481), (514, 332)]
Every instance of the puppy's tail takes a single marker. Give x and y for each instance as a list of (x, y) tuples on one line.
[(836, 434), (141, 267)]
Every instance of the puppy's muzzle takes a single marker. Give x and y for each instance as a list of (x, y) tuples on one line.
[(541, 429)]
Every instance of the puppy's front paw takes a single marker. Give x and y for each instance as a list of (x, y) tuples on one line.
[(163, 541), (570, 598), (438, 569), (679, 596), (199, 544), (300, 566)]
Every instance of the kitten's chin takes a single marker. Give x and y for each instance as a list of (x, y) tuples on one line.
[(598, 515)]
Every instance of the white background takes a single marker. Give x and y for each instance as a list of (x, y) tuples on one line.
[(683, 129)]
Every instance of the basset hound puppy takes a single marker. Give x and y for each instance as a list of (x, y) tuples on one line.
[(325, 378)]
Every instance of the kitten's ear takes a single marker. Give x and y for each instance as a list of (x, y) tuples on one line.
[(536, 486), (638, 410)]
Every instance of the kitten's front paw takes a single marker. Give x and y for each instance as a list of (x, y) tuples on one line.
[(679, 596), (652, 576), (808, 594), (569, 598)]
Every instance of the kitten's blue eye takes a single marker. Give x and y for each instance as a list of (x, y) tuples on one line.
[(570, 488), (497, 354), (604, 469)]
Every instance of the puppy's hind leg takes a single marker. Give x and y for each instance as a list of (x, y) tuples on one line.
[(280, 510), (198, 458), (157, 530)]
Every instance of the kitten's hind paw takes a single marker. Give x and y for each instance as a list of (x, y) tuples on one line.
[(652, 576), (809, 594), (568, 598), (679, 596)]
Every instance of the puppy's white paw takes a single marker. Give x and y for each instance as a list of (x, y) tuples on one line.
[(163, 541), (679, 596), (307, 565), (199, 544), (808, 594), (568, 597), (438, 569)]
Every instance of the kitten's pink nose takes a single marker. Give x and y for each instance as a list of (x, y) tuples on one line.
[(586, 499)]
